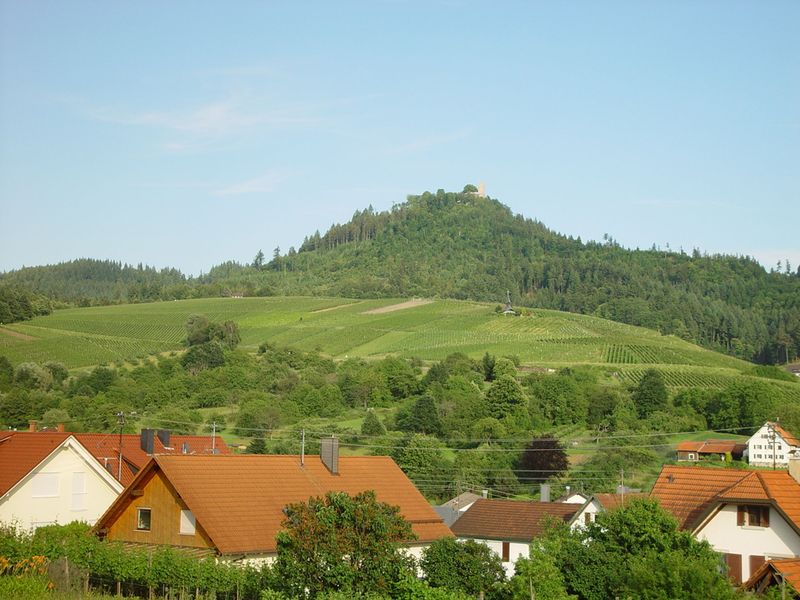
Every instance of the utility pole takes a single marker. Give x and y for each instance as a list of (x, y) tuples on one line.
[(303, 448), (213, 437), (121, 422), (622, 486), (772, 439)]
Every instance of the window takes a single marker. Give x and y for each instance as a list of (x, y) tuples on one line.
[(691, 455), (506, 551), (187, 523), (752, 516), (587, 518), (45, 485), (78, 492), (143, 519)]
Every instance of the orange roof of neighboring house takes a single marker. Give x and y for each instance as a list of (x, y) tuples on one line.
[(105, 448), (789, 568), (690, 492), (612, 501), (239, 500), (20, 452), (787, 437), (712, 446), (512, 520)]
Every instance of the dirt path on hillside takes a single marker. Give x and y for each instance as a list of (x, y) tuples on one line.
[(394, 307), (337, 307), (17, 334)]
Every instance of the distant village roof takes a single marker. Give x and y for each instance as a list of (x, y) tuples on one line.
[(511, 520), (105, 448), (462, 500), (612, 501), (239, 500), (689, 493), (787, 437), (713, 447)]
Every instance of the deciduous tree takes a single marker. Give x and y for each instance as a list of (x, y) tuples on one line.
[(341, 543)]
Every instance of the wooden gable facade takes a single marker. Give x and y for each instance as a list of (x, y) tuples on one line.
[(151, 512)]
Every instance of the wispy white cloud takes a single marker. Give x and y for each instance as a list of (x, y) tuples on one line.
[(216, 118), (263, 184), (429, 141)]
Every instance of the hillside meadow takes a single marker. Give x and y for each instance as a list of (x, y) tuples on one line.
[(425, 329)]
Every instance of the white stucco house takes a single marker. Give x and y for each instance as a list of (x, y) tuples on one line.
[(509, 526), (600, 503), (771, 446), (48, 478), (749, 517)]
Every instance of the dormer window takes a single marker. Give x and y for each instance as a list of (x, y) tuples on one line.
[(748, 515)]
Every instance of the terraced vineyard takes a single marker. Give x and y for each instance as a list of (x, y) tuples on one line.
[(342, 327)]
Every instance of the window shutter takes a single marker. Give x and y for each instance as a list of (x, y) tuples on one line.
[(734, 562), (506, 551), (765, 516), (755, 562), (741, 511)]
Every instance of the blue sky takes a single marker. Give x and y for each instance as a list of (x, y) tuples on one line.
[(189, 133)]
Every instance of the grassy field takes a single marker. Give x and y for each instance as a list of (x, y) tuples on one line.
[(340, 327)]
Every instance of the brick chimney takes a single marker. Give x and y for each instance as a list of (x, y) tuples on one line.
[(329, 453), (32, 425), (60, 428)]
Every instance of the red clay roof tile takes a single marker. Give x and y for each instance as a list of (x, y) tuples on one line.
[(688, 492), (239, 500), (512, 520), (21, 451)]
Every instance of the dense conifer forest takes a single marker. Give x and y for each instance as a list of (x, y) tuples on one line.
[(461, 245)]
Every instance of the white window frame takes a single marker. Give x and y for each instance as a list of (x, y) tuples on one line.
[(139, 519), (188, 524)]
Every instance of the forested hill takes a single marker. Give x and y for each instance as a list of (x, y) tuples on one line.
[(463, 246), (460, 245), (85, 281)]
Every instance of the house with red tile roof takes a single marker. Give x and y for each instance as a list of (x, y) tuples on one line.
[(71, 461), (136, 449), (509, 526), (721, 450), (601, 503), (772, 446), (748, 516), (783, 574), (232, 506), (48, 478)]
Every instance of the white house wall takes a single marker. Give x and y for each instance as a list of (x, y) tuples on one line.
[(778, 540), (52, 492), (515, 551), (592, 508), (760, 449)]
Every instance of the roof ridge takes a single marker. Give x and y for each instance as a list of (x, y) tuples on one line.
[(736, 483)]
